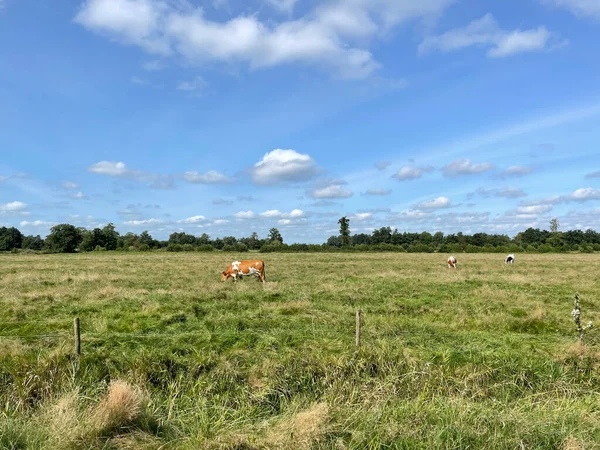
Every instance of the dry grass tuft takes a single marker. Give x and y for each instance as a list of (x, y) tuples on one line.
[(301, 431), (63, 421), (120, 407), (572, 443)]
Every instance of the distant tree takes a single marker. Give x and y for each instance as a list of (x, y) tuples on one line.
[(554, 224), (275, 236), (382, 236), (230, 240), (10, 238), (254, 241), (334, 241), (33, 242), (344, 230), (63, 238), (111, 237), (204, 239), (362, 238)]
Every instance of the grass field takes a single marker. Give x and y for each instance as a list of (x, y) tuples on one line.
[(485, 356)]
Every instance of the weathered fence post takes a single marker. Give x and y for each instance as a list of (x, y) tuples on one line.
[(358, 327), (77, 336)]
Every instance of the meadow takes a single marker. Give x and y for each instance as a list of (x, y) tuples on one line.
[(482, 357)]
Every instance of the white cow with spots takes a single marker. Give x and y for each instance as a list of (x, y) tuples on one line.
[(510, 259), (452, 262)]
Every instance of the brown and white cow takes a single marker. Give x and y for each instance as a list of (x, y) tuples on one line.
[(452, 262), (247, 267)]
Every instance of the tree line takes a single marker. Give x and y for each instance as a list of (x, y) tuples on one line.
[(66, 238)]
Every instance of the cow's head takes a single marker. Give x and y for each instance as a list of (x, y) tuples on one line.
[(224, 276)]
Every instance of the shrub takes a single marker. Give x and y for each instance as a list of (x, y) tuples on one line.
[(174, 248), (188, 248), (144, 248), (205, 248), (242, 248)]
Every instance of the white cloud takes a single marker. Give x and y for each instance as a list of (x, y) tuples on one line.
[(210, 177), (578, 7), (331, 191), (411, 173), (377, 192), (294, 214), (335, 35), (537, 209), (193, 219), (197, 84), (362, 216), (144, 222), (465, 167), (118, 169), (220, 222), (280, 166), (485, 32), (284, 221), (78, 195), (244, 215), (36, 223), (438, 203), (584, 194), (413, 214), (13, 206), (69, 185), (515, 171)]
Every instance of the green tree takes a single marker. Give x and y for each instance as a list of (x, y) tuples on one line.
[(111, 237), (554, 225), (10, 238), (33, 242), (344, 231), (275, 236), (63, 238)]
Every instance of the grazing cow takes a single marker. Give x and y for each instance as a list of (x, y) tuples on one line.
[(510, 259), (452, 262), (238, 269)]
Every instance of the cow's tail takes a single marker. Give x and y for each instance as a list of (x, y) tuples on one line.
[(263, 273)]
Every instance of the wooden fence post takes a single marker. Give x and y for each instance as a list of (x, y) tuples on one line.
[(77, 336), (358, 327)]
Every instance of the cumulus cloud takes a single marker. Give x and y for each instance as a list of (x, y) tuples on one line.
[(438, 203), (361, 216), (193, 219), (581, 8), (244, 215), (294, 214), (284, 6), (13, 206), (118, 169), (331, 191), (220, 222), (486, 33), (377, 192), (210, 177), (279, 166), (411, 173), (413, 214), (327, 36), (284, 221), (579, 196), (461, 167)]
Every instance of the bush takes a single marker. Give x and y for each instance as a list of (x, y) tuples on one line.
[(144, 248), (174, 248), (99, 249), (205, 248), (188, 248), (229, 248), (242, 248), (419, 248)]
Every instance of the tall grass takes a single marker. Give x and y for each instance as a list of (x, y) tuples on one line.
[(481, 357)]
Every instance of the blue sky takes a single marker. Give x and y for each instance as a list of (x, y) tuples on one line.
[(227, 117)]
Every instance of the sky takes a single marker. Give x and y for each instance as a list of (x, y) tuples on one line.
[(227, 117)]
